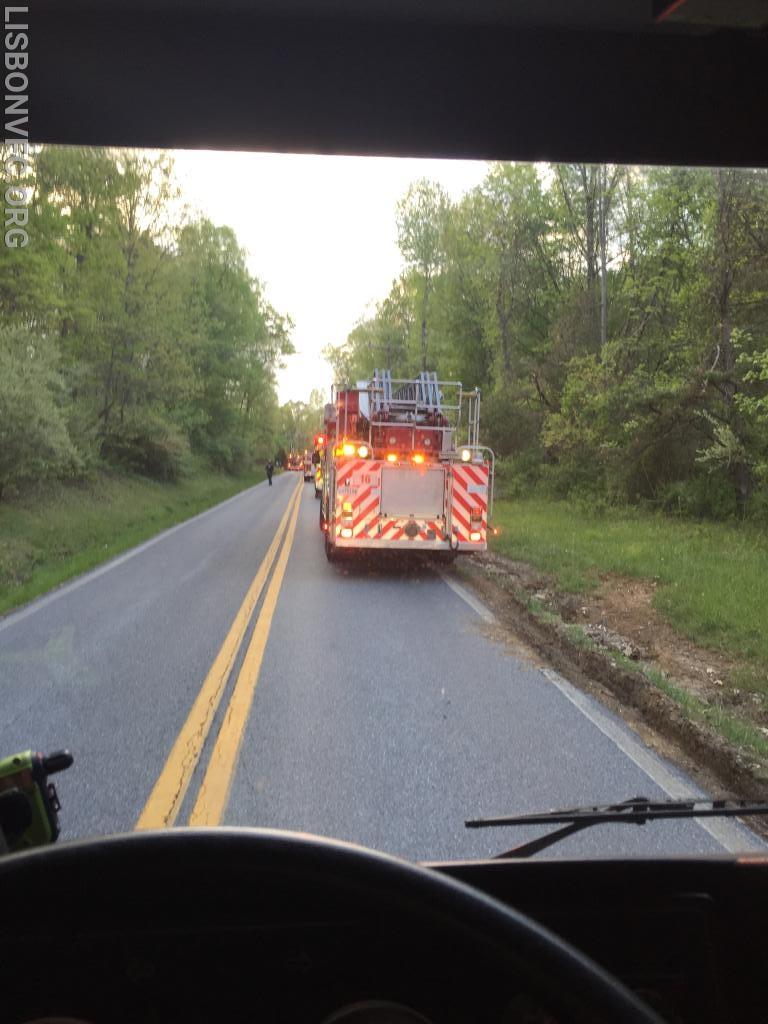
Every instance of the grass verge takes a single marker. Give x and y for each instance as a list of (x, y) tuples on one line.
[(713, 577), (62, 530)]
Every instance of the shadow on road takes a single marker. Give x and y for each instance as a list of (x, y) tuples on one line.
[(386, 565)]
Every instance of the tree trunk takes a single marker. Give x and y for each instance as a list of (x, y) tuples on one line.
[(603, 278), (503, 316), (588, 178), (424, 307), (740, 472)]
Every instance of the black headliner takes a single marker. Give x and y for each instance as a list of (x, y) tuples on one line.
[(515, 80)]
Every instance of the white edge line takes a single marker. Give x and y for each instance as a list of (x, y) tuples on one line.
[(11, 618), (735, 838), (476, 605)]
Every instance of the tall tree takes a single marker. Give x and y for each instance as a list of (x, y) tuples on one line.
[(421, 222)]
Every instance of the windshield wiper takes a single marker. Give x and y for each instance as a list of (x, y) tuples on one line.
[(636, 811)]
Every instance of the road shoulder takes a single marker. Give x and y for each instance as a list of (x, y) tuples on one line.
[(718, 766)]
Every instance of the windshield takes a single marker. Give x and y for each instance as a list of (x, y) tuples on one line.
[(365, 497)]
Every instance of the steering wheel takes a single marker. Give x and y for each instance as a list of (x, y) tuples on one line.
[(102, 880)]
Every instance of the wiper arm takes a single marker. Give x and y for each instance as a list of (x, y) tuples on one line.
[(636, 811)]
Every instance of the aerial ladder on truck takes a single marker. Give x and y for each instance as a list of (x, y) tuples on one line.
[(404, 468)]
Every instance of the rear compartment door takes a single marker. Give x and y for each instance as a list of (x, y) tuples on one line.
[(417, 493)]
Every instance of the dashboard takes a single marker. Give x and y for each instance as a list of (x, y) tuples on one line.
[(684, 934), (161, 939)]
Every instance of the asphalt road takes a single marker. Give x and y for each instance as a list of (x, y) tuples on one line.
[(366, 702)]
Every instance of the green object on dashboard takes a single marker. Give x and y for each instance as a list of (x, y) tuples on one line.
[(29, 804)]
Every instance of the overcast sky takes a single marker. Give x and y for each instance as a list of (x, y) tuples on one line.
[(319, 231)]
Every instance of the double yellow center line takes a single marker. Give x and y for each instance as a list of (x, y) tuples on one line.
[(167, 796)]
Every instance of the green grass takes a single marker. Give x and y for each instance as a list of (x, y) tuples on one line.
[(713, 577), (57, 532)]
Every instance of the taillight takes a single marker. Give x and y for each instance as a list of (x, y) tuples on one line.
[(391, 457), (362, 451), (418, 458), (347, 449), (475, 524)]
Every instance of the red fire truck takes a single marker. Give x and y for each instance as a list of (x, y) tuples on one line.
[(397, 475)]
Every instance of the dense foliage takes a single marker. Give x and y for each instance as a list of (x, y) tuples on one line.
[(615, 318), (129, 335), (299, 422)]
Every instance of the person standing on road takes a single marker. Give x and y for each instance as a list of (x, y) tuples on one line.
[(270, 470)]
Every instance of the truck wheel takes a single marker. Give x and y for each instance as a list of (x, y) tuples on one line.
[(318, 494), (330, 550)]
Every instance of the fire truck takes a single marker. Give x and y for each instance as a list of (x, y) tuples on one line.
[(404, 468)]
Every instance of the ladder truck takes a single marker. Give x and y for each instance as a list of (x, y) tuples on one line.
[(404, 468)]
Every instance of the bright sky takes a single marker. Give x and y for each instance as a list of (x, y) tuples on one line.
[(319, 231)]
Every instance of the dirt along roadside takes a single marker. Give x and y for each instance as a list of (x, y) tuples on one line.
[(613, 644)]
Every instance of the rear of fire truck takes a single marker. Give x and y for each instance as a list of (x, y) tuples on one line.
[(404, 468)]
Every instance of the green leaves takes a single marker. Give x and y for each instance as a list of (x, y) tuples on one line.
[(616, 319), (151, 337), (34, 441)]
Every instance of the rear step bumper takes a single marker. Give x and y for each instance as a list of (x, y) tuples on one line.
[(370, 544)]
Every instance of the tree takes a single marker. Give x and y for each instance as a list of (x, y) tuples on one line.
[(587, 193), (162, 340), (34, 442), (381, 340), (300, 421), (615, 317), (421, 221), (739, 268), (236, 341)]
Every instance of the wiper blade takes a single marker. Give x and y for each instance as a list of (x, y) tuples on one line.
[(636, 811)]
